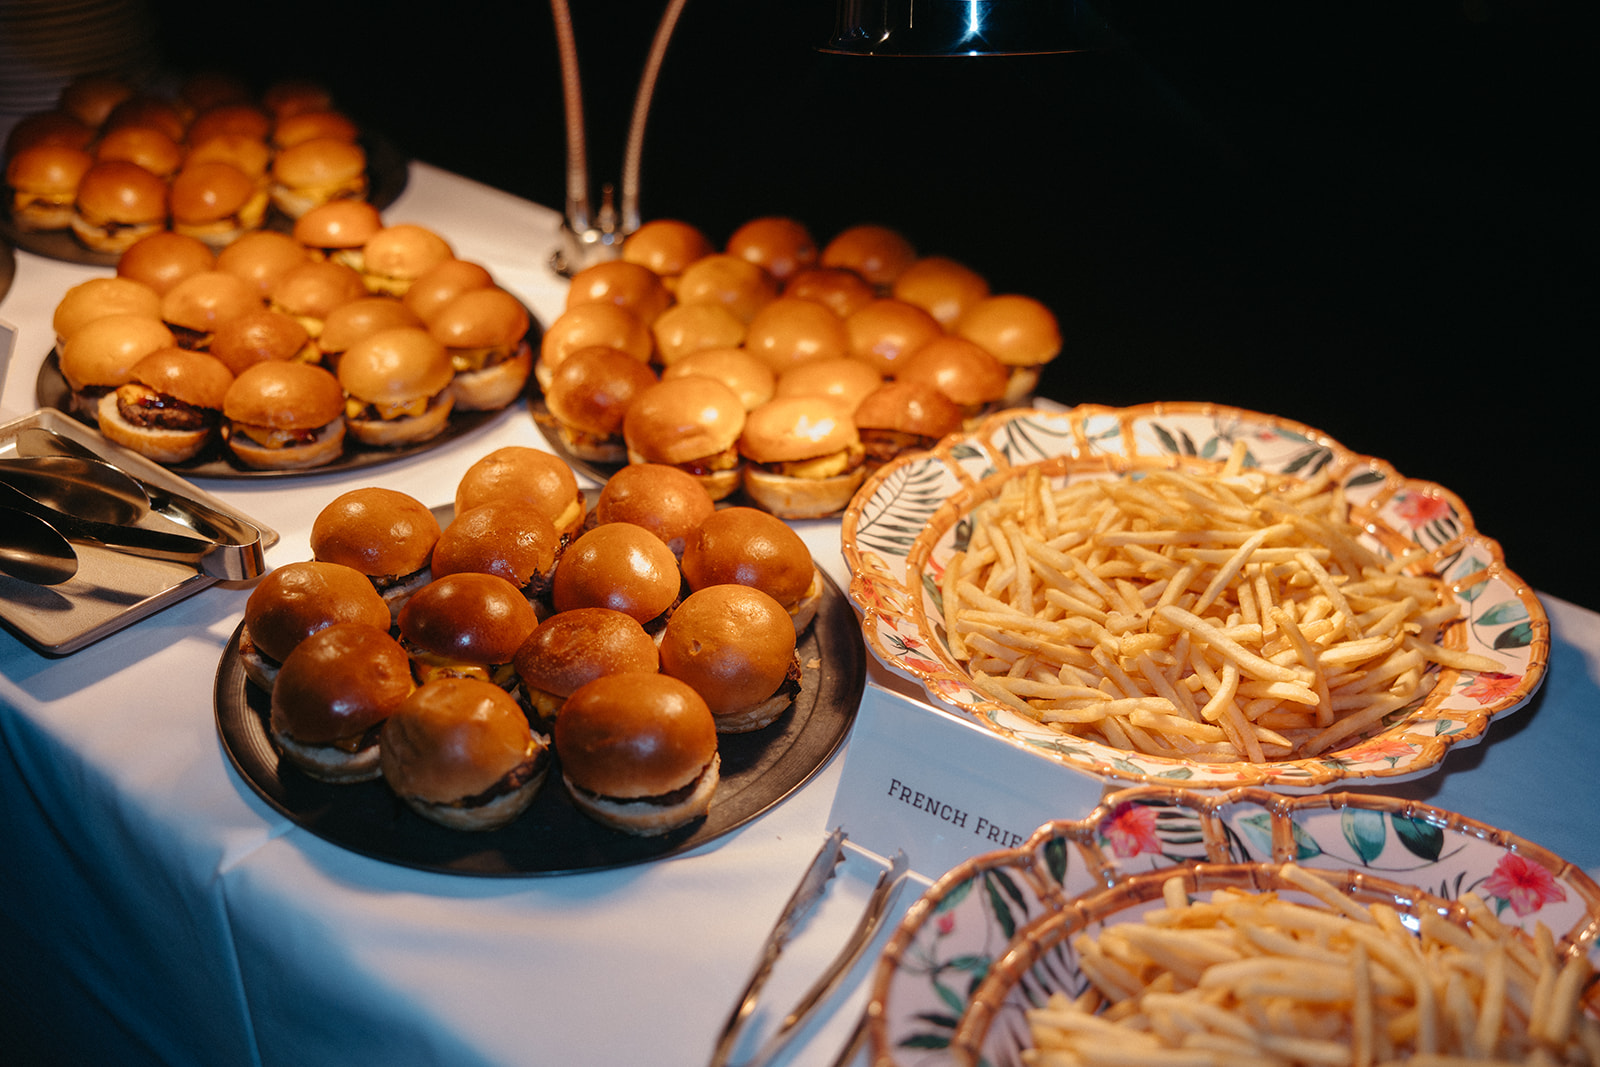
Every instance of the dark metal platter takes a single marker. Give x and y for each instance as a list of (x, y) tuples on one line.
[(387, 174), (552, 837)]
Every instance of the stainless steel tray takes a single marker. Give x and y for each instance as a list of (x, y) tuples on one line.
[(111, 589)]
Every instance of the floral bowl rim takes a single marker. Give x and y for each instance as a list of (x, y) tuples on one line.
[(1071, 872), (898, 530)]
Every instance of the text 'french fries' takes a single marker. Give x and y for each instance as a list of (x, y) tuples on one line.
[(1255, 979), (1210, 615)]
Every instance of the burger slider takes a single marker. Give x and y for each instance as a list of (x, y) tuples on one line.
[(311, 289), (163, 259), (904, 417), (879, 254), (295, 601), (728, 281), (942, 287), (216, 202), (116, 204), (887, 332), (570, 649), (172, 407), (358, 320), (685, 329), (588, 398), (845, 380), (262, 258), (842, 290), (734, 367), (338, 229), (620, 566), (397, 382), (281, 415), (668, 501), (146, 109), (239, 118), (295, 96), (667, 247), (792, 330), (748, 546), (99, 297), (517, 472), (195, 307), (591, 324), (47, 128), (736, 646), (466, 625), (779, 245), (312, 123), (442, 283), (1017, 330), (90, 98), (384, 534), (99, 356), (486, 333), (511, 539), (250, 156), (805, 459), (395, 256), (316, 171), (259, 335), (144, 145), (459, 752), (960, 369), (638, 752), (692, 423), (628, 285), (333, 694)]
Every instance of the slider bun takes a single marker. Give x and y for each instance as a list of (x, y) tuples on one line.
[(572, 648), (216, 202), (960, 369), (142, 109), (144, 145), (238, 118), (298, 599), (484, 317), (48, 168), (334, 686), (456, 738), (396, 255), (516, 472), (736, 284), (590, 393), (257, 335), (511, 539), (117, 203), (878, 253), (295, 96), (791, 330), (468, 616), (682, 419), (360, 318), (780, 246), (592, 324), (262, 258), (312, 288), (844, 380), (163, 259), (942, 287), (748, 546), (379, 532), (311, 124), (668, 501), (633, 735), (103, 352), (790, 428), (250, 156), (910, 408), (620, 566), (47, 128), (443, 282), (735, 645), (886, 332), (666, 246), (338, 224), (207, 299), (734, 367), (686, 328), (1017, 330), (842, 290), (91, 98), (402, 365), (99, 297), (316, 171), (628, 285), (284, 395), (193, 378)]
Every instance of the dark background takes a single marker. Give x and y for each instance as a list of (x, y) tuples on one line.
[(1377, 219)]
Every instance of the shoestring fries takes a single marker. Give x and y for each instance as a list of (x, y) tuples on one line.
[(1255, 979), (1214, 616)]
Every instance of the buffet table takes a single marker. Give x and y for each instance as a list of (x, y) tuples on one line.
[(153, 909)]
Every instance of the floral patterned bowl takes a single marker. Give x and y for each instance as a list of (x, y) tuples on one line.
[(986, 941), (914, 514)]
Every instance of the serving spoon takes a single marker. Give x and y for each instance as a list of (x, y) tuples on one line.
[(34, 551)]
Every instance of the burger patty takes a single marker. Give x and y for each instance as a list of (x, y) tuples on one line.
[(511, 781), (884, 445), (148, 409), (666, 800)]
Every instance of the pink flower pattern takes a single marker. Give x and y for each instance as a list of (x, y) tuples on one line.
[(1419, 509), (1131, 830), (1487, 688), (1523, 884)]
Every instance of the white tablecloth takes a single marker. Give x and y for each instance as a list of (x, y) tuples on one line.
[(154, 910)]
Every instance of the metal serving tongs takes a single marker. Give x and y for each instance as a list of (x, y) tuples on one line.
[(810, 890)]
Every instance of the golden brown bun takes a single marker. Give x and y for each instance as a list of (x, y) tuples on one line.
[(259, 335), (484, 317), (250, 156), (590, 394), (497, 384), (102, 352), (316, 171), (668, 501), (844, 380), (511, 539), (620, 566), (572, 648), (299, 599), (735, 645), (1017, 330), (633, 735), (468, 617), (791, 330), (748, 546), (238, 118), (284, 395), (335, 686), (628, 285), (311, 124), (517, 472), (312, 289), (216, 202), (142, 109), (49, 175), (666, 246), (910, 408), (207, 299), (960, 369), (397, 255), (192, 378), (262, 258), (457, 738), (736, 284), (118, 202), (443, 282), (47, 128), (361, 318), (163, 259), (886, 332), (592, 324), (736, 368), (682, 420), (338, 224), (98, 297), (779, 245), (790, 428), (295, 96), (942, 287), (324, 446), (398, 380), (878, 253), (794, 497), (148, 147), (684, 329), (383, 533), (91, 98)]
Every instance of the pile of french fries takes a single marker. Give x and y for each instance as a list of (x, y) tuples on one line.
[(1248, 979), (1215, 615)]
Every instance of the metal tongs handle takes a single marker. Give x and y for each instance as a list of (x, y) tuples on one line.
[(810, 889)]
